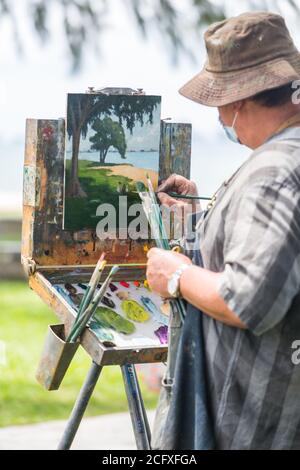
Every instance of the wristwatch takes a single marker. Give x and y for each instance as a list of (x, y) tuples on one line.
[(173, 282)]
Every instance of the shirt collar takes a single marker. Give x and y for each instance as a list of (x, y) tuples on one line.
[(289, 133), (291, 123)]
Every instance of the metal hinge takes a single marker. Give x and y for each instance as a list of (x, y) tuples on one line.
[(115, 91), (29, 265)]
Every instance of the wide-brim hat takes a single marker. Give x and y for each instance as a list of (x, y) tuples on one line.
[(246, 55)]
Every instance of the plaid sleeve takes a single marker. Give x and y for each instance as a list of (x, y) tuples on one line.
[(262, 254)]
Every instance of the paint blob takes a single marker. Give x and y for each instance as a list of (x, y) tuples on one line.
[(122, 295), (83, 286), (100, 329), (151, 307), (64, 293), (162, 334), (112, 287), (70, 288), (110, 318), (124, 284), (108, 302), (165, 308), (134, 311)]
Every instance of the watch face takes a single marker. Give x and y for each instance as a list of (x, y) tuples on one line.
[(173, 286)]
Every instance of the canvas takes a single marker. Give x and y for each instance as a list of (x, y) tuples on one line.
[(112, 141)]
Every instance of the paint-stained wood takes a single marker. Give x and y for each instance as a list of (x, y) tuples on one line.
[(43, 239), (175, 149), (51, 254)]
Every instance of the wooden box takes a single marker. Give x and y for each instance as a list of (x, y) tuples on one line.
[(51, 255)]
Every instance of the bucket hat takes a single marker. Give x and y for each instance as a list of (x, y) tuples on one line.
[(246, 55)]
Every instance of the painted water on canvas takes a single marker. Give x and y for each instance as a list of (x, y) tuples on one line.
[(112, 142)]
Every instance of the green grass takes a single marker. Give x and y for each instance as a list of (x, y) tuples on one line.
[(101, 189), (10, 237), (12, 214), (23, 324)]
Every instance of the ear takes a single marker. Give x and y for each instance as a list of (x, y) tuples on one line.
[(225, 111), (238, 105)]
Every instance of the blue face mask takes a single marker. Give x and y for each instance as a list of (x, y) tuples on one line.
[(230, 130)]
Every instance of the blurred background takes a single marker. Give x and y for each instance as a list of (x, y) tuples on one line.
[(53, 47)]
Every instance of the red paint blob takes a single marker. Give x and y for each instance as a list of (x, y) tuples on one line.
[(124, 284)]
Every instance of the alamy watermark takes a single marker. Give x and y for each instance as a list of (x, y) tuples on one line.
[(296, 353), (125, 221), (296, 94)]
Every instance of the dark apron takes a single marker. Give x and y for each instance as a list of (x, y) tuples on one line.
[(182, 419)]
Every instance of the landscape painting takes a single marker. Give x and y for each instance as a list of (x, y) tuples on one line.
[(112, 141)]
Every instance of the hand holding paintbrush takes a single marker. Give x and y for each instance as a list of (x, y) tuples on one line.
[(154, 217), (177, 190)]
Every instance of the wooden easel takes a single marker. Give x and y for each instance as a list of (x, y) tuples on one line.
[(51, 255)]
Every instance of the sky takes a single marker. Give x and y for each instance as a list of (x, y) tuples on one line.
[(35, 86)]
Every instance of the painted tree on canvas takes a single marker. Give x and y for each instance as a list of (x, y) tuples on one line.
[(108, 133)]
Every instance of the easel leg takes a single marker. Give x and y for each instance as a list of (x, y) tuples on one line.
[(80, 407), (136, 407)]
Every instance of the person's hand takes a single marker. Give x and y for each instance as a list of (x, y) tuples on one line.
[(160, 267), (180, 185)]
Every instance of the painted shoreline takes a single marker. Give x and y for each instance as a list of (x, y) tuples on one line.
[(134, 173)]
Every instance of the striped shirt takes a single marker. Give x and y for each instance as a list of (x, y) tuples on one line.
[(252, 237)]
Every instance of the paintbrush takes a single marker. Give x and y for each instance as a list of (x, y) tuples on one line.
[(184, 196), (154, 217), (89, 312), (158, 215), (153, 213), (92, 285), (88, 295)]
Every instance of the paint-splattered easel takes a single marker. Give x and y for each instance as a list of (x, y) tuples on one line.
[(51, 255)]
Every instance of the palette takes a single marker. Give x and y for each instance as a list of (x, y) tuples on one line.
[(139, 308)]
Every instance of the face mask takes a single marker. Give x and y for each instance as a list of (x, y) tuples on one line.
[(230, 130)]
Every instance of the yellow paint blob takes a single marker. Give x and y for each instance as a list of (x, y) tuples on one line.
[(134, 311)]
